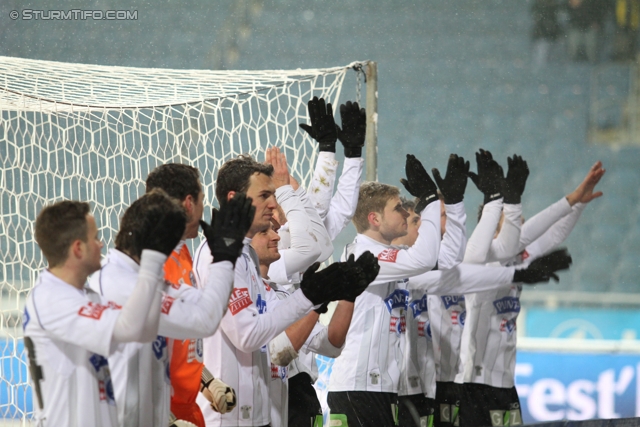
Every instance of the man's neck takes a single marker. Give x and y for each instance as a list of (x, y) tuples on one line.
[(377, 236), (264, 270), (71, 276)]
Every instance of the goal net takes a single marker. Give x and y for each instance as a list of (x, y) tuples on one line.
[(88, 132)]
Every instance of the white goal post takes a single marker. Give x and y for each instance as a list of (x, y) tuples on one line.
[(93, 133)]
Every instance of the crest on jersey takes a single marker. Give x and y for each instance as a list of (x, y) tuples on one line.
[(105, 386), (388, 255), (239, 300), (424, 329), (508, 325)]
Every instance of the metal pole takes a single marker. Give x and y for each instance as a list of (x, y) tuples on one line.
[(371, 141)]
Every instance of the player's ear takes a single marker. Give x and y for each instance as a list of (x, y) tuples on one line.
[(230, 195), (76, 249), (374, 219), (188, 203)]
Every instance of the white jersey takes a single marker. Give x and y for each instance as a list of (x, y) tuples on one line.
[(238, 353), (338, 210), (372, 356), (488, 350), (140, 371), (417, 375), (68, 333)]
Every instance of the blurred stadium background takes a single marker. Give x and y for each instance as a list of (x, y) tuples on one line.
[(453, 77)]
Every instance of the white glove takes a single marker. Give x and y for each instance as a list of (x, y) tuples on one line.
[(221, 396), (182, 423)]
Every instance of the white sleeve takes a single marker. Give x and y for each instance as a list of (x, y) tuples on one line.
[(482, 236), (462, 279), (344, 202), (140, 316), (317, 226), (247, 329), (538, 224), (324, 176), (506, 245), (454, 240), (556, 234), (72, 318), (182, 319), (318, 342), (305, 248), (396, 264)]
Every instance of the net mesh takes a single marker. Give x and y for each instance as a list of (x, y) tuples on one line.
[(88, 132)]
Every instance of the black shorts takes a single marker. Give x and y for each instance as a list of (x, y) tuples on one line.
[(364, 408), (483, 405), (448, 395), (304, 406), (416, 410)]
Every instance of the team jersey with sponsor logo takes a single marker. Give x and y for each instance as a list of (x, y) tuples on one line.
[(373, 352), (140, 371), (238, 352), (488, 350), (68, 335), (418, 371)]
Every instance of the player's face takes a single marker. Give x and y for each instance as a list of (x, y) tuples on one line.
[(393, 222), (265, 242), (413, 224), (195, 208), (263, 193), (91, 249)]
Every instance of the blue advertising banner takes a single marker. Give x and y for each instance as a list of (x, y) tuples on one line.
[(588, 323), (572, 386)]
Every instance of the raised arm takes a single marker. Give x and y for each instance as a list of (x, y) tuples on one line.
[(452, 188)]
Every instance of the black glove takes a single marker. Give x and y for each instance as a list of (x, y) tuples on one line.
[(366, 270), (331, 284), (354, 128), (230, 225), (323, 127), (489, 178), (419, 184), (455, 181), (163, 228), (323, 308), (544, 268), (513, 185)]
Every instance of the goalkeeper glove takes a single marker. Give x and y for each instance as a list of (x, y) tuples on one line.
[(230, 225), (489, 177), (354, 128), (419, 183), (455, 181), (513, 185), (221, 396), (323, 126), (366, 270), (544, 268)]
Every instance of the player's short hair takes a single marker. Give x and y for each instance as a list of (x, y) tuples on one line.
[(58, 226), (373, 197), (141, 218), (408, 204), (176, 179), (234, 175)]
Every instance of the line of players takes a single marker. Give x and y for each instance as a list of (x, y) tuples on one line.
[(229, 338)]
